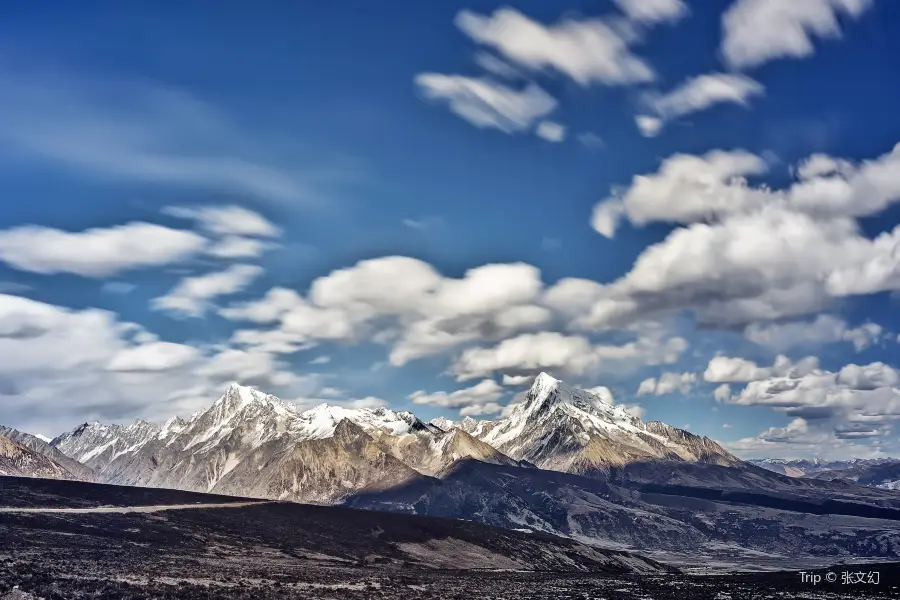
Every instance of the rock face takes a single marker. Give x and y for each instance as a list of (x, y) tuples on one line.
[(18, 461), (35, 444)]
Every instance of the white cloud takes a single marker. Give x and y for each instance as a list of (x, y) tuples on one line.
[(137, 130), (420, 313), (722, 393), (848, 413), (748, 254), (192, 296), (572, 354), (869, 377), (320, 360), (602, 392), (226, 220), (516, 380), (479, 399), (696, 94), (685, 189), (153, 356), (367, 402), (588, 51), (821, 330), (724, 369), (635, 410), (489, 408), (648, 125), (60, 367), (653, 11), (96, 252), (668, 383), (714, 186), (550, 131), (757, 31), (858, 394), (486, 103), (647, 386)]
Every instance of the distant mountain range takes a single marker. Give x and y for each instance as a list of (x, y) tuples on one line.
[(876, 472), (251, 443), (564, 462)]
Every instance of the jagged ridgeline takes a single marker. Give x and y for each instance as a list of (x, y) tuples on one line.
[(564, 461), (248, 442)]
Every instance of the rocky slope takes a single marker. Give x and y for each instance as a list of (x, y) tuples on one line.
[(75, 468), (18, 461)]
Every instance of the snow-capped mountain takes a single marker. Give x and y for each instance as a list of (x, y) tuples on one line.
[(563, 461), (97, 444), (562, 428), (20, 461), (251, 443)]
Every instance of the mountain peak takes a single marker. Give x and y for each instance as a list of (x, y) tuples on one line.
[(545, 381), (547, 392)]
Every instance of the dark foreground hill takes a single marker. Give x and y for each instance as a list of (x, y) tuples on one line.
[(283, 550)]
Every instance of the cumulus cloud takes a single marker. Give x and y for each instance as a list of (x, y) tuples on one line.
[(550, 131), (193, 295), (746, 253), (653, 11), (714, 186), (833, 412), (823, 329), (635, 410), (722, 393), (573, 354), (685, 189), (758, 31), (725, 369), (487, 103), (153, 356), (96, 252), (588, 51), (602, 392), (648, 125), (480, 399), (667, 383), (420, 313), (62, 366), (858, 393), (515, 380), (696, 94)]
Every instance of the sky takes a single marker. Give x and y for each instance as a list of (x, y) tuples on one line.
[(690, 207)]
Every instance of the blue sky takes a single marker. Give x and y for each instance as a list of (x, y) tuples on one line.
[(424, 204)]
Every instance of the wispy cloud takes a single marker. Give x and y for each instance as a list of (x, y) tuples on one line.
[(138, 130), (486, 103)]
